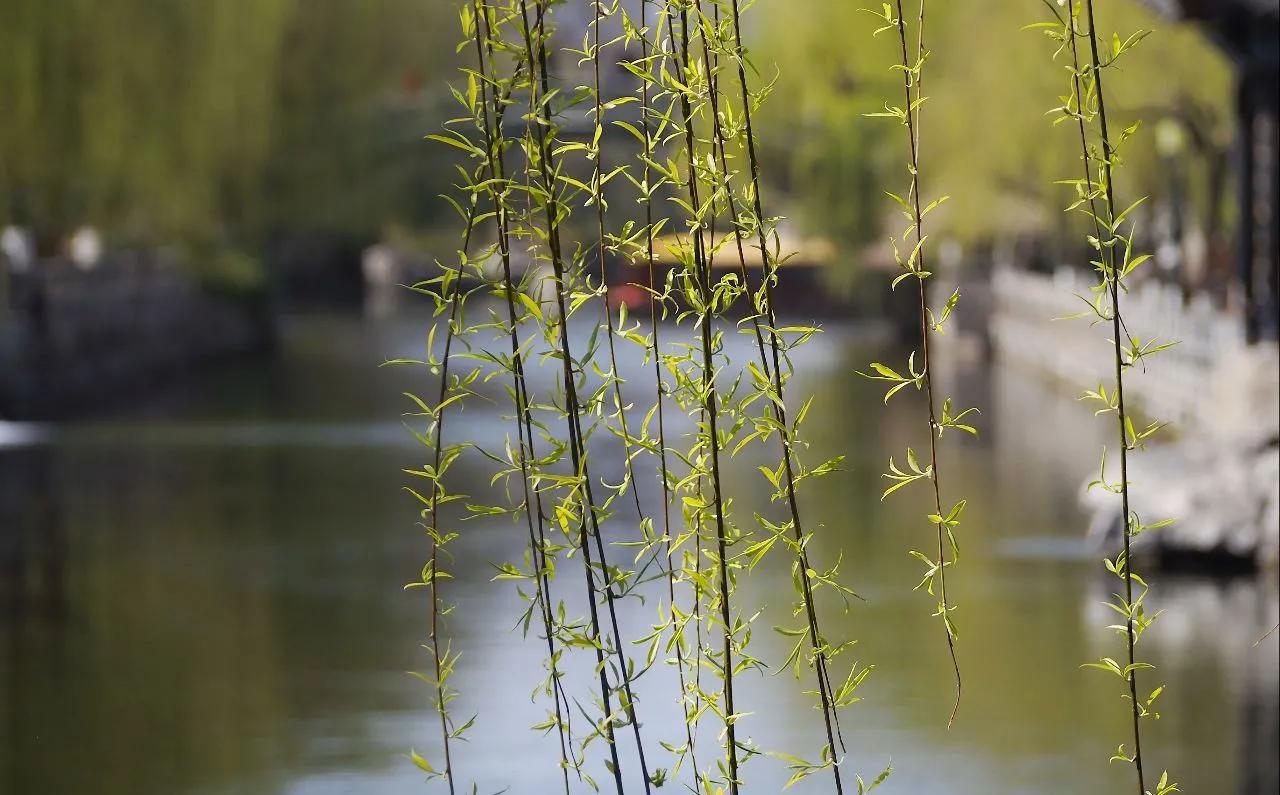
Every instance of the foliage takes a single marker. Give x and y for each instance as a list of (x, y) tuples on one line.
[(689, 123), (692, 144), (996, 157), (913, 266), (1084, 109), (208, 124)]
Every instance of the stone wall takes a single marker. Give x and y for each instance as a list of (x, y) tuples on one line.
[(1212, 383), (1217, 470), (71, 339)]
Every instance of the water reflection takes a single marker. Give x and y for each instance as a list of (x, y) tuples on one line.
[(33, 546), (203, 595)]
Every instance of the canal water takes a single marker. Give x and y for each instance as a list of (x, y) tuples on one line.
[(202, 595)]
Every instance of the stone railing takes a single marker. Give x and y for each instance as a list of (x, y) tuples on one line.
[(1211, 381), (1218, 473)]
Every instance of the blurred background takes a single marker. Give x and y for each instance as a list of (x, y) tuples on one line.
[(206, 209)]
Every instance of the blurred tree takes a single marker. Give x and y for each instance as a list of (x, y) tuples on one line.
[(215, 124), (149, 118), (360, 85), (234, 124), (985, 131)]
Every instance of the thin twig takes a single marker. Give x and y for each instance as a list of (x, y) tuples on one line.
[(655, 349), (539, 91), (1122, 416), (912, 109), (831, 720), (524, 418), (711, 407), (597, 184)]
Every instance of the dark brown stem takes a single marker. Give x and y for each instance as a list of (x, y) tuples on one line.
[(597, 187), (711, 409), (524, 418), (455, 304), (455, 300), (539, 90), (912, 116), (655, 349), (831, 720), (616, 377), (1122, 418)]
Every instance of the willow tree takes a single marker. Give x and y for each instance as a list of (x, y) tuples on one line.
[(150, 119), (697, 148), (1115, 260), (208, 125), (999, 174)]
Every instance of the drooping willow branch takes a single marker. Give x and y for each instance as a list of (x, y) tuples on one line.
[(1121, 413), (451, 294), (441, 659), (453, 389), (913, 117), (538, 103), (1122, 417), (772, 370), (911, 65), (657, 313), (614, 377), (569, 501), (705, 310), (542, 121), (598, 180), (534, 516), (768, 389), (1095, 196)]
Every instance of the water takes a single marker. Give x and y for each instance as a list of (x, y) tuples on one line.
[(202, 594)]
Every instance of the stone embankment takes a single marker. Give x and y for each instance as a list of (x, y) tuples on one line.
[(72, 338), (1219, 475)]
